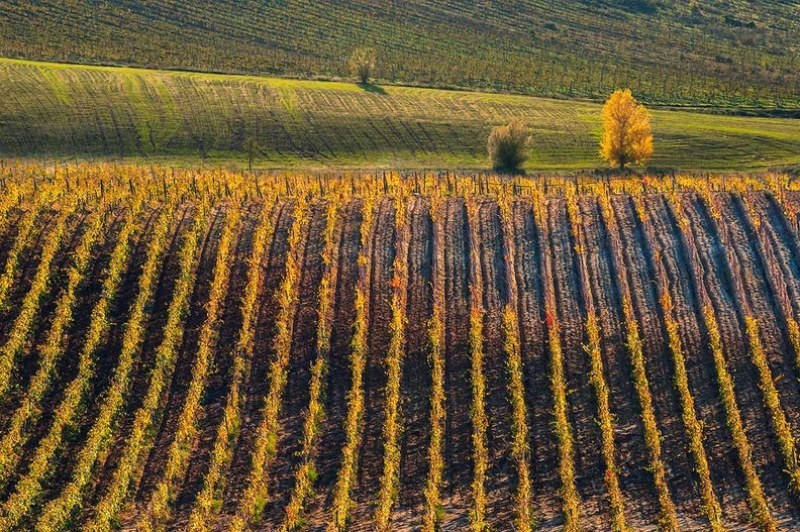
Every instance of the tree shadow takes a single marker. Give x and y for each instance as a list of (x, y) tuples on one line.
[(372, 88)]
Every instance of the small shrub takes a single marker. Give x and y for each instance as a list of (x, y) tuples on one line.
[(508, 146)]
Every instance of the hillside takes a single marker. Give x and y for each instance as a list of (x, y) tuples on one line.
[(60, 111), (716, 52), (298, 352)]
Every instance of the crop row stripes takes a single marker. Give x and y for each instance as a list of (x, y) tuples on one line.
[(305, 475), (207, 502), (254, 498), (159, 508), (30, 486), (346, 477)]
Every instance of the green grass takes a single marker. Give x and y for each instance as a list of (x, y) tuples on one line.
[(66, 112), (714, 52)]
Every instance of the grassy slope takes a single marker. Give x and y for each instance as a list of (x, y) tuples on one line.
[(731, 52), (75, 111)]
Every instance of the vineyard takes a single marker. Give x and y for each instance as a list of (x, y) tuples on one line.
[(715, 52), (209, 350), (73, 111)]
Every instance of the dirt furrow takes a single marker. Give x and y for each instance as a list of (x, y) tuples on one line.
[(763, 304), (781, 253), (139, 377), (583, 407), (176, 395), (104, 363), (26, 264), (500, 476), (262, 354), (332, 438), (719, 284), (217, 385), (87, 295), (370, 465), (680, 475), (27, 361), (296, 394), (456, 495), (416, 385), (687, 309), (635, 480), (785, 247), (544, 445)]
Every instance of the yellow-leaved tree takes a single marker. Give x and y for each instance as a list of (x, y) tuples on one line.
[(627, 135)]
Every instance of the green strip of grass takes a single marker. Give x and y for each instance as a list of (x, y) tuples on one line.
[(68, 112)]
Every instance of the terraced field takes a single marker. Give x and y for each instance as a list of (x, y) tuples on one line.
[(220, 351), (715, 52), (69, 112)]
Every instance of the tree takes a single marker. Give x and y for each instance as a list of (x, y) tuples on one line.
[(627, 135), (508, 146), (251, 147), (362, 63)]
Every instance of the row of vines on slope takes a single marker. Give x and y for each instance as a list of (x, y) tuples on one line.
[(757, 501), (161, 500), (57, 513), (770, 395), (566, 468), (394, 358), (692, 424), (81, 451), (342, 502), (129, 466), (593, 348), (305, 475), (252, 502), (207, 503), (30, 486)]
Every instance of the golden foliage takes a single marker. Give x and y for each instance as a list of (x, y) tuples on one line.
[(480, 421), (57, 512), (254, 498), (436, 335), (516, 387), (571, 501), (306, 474), (593, 349), (140, 440), (207, 503), (393, 425), (652, 434), (163, 495), (627, 135), (30, 486), (342, 503), (692, 425)]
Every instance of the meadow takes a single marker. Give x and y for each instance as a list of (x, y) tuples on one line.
[(68, 112), (396, 352)]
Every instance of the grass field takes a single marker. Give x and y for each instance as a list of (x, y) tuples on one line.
[(715, 52), (68, 112), (287, 340)]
